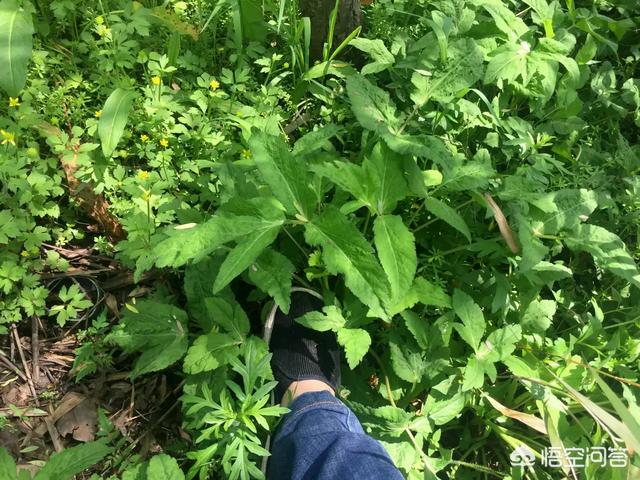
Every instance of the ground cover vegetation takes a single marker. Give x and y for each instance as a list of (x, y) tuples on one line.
[(457, 178)]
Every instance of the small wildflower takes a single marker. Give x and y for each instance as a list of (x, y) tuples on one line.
[(156, 80), (144, 137), (164, 143), (143, 174), (24, 253), (103, 31), (524, 49), (99, 20), (14, 102), (214, 84), (246, 154), (286, 65), (97, 113), (8, 138)]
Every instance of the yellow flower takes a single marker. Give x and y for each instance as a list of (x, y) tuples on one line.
[(100, 20), (246, 154), (286, 65), (156, 80), (24, 253), (97, 113), (164, 142), (14, 102), (143, 175), (214, 84), (144, 137), (103, 31), (8, 138)]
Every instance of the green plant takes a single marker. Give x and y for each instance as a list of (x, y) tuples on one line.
[(73, 299), (466, 202)]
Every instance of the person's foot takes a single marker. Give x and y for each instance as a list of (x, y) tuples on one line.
[(303, 360)]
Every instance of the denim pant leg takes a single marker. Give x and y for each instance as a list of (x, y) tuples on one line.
[(321, 439)]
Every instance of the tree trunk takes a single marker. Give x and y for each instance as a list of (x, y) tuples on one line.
[(319, 11)]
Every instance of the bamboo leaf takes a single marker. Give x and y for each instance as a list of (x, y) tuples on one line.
[(16, 44), (113, 119)]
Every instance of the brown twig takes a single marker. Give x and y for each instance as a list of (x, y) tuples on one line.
[(32, 387), (35, 349), (4, 359)]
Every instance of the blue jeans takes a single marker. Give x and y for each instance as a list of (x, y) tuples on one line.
[(321, 439)]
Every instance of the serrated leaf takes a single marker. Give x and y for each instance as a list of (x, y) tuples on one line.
[(346, 251), (272, 273), (378, 183), (288, 177), (418, 327), (208, 352), (422, 291), (229, 315), (473, 324), (607, 249), (407, 362), (463, 68), (500, 343), (538, 315), (68, 463), (356, 343), (176, 247), (449, 215), (329, 319), (7, 465), (244, 254), (113, 119), (397, 252), (157, 330), (377, 51), (371, 105), (392, 420), (473, 376), (16, 44), (164, 467), (444, 411)]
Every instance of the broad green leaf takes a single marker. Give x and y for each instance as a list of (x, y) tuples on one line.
[(473, 324), (377, 183), (382, 58), (538, 315), (463, 68), (407, 361), (254, 27), (607, 250), (7, 466), (508, 62), (500, 343), (244, 254), (157, 330), (442, 412), (72, 461), (449, 215), (473, 376), (208, 352), (16, 43), (346, 251), (424, 292), (474, 175), (288, 177), (316, 140), (329, 319), (504, 19), (391, 420), (113, 119), (164, 467), (397, 252), (418, 327), (356, 343), (371, 105), (272, 273), (179, 245), (229, 315)]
